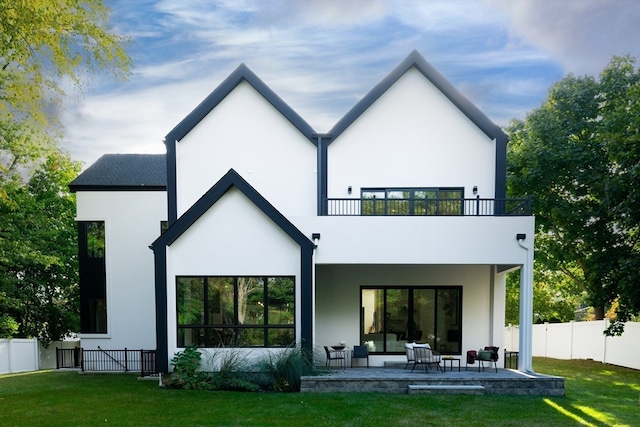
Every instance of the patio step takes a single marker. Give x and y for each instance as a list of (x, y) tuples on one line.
[(445, 389)]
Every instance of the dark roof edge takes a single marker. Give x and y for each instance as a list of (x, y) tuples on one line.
[(76, 188), (215, 193), (240, 74), (416, 60)]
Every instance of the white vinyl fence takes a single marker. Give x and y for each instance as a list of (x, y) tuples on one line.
[(24, 355), (582, 340)]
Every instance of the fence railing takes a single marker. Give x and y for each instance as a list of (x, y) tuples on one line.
[(101, 360), (427, 207)]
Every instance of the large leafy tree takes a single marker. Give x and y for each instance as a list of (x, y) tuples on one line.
[(578, 155), (39, 254), (45, 47)]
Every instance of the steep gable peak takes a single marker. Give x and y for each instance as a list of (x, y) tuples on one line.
[(417, 61), (241, 74)]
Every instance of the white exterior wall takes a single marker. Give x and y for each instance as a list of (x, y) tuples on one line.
[(246, 133), (412, 136), (418, 239), (132, 222), (338, 300), (233, 238)]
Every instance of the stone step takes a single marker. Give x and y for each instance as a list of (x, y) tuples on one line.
[(445, 389)]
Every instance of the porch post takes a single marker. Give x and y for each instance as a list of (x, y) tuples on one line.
[(526, 310)]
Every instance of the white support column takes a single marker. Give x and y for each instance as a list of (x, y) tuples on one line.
[(526, 310)]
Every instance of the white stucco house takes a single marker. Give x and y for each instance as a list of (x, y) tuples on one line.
[(255, 232)]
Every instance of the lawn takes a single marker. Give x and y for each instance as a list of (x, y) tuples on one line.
[(596, 395)]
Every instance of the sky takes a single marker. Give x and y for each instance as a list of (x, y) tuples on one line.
[(322, 56)]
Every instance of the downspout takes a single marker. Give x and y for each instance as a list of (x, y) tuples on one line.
[(526, 309)]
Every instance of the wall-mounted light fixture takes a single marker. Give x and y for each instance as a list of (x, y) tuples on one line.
[(349, 189), (315, 237), (521, 236), (475, 190)]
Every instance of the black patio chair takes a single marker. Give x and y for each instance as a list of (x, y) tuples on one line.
[(338, 356), (360, 352), (489, 354)]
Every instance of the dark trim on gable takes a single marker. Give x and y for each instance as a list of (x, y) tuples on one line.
[(501, 167), (76, 188), (162, 338), (416, 60), (172, 196), (322, 141), (240, 74), (215, 193)]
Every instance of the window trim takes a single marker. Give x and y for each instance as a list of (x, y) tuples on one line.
[(412, 198), (410, 308), (235, 326)]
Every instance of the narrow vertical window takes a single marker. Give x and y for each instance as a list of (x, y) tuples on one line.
[(93, 283)]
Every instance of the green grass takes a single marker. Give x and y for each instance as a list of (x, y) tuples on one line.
[(596, 394)]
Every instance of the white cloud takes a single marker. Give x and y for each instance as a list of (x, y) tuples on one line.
[(321, 56), (582, 35)]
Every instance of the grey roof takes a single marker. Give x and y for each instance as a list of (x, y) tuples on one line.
[(124, 172)]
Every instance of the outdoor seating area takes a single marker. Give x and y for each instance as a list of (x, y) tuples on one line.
[(395, 378)]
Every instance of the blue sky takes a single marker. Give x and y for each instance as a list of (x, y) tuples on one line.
[(322, 56)]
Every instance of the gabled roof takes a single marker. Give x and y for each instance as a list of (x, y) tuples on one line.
[(129, 172), (416, 60), (215, 193), (240, 74)]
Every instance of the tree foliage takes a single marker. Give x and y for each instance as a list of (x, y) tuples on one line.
[(38, 254), (45, 47), (578, 155), (46, 44)]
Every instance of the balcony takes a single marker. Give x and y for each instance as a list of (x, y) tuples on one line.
[(427, 207)]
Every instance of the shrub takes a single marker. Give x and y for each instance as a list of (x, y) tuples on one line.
[(187, 372), (287, 367)]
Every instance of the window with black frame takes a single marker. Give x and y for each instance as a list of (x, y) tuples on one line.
[(394, 316), (412, 201), (235, 311), (93, 279)]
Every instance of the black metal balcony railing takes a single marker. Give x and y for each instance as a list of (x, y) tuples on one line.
[(427, 207)]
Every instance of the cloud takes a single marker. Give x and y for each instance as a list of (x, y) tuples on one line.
[(322, 56), (582, 35)]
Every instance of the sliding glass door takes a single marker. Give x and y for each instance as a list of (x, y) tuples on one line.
[(393, 316)]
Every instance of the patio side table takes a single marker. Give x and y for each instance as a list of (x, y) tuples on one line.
[(450, 359)]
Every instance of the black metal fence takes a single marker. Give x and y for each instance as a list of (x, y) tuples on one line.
[(101, 360), (428, 207)]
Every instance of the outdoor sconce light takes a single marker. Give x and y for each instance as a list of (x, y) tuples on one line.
[(349, 189), (315, 237), (475, 190), (521, 236)]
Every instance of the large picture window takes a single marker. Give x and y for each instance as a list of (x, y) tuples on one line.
[(393, 316), (412, 201), (93, 282), (236, 311)]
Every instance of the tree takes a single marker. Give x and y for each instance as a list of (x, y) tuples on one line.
[(578, 156), (44, 46), (39, 280), (45, 43)]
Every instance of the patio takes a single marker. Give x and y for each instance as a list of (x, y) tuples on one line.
[(393, 378)]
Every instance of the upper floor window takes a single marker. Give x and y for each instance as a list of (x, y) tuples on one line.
[(236, 311), (412, 201)]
